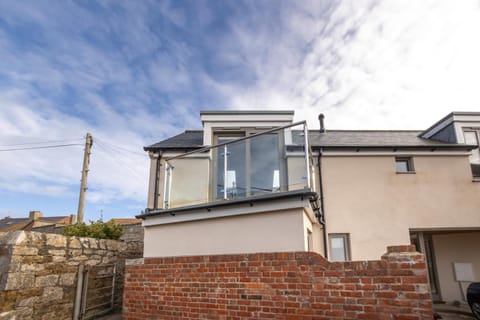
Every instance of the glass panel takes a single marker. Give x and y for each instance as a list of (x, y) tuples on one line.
[(337, 244), (402, 165), (235, 173), (264, 164), (471, 138), (274, 161)]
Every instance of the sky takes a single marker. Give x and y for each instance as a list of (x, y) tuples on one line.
[(136, 72)]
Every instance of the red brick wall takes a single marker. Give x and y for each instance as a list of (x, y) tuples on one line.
[(299, 285)]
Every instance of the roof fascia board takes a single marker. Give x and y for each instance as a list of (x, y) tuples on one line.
[(240, 112), (388, 148), (437, 126), (394, 154), (235, 209), (448, 119)]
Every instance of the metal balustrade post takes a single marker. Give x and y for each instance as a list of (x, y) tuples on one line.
[(225, 163), (307, 154)]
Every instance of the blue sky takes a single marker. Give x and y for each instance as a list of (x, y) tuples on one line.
[(135, 72)]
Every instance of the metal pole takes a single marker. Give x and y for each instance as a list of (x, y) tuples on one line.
[(83, 184), (113, 285), (166, 185), (307, 154), (78, 296), (225, 163)]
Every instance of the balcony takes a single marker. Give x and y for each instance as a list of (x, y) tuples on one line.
[(241, 165)]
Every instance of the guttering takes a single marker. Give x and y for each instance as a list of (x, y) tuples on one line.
[(304, 194), (397, 147)]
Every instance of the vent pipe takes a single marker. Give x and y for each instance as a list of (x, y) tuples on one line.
[(321, 117)]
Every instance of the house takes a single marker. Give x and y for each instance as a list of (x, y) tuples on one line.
[(255, 181), (34, 220)]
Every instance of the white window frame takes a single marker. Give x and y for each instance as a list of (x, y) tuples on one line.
[(409, 164), (475, 152), (345, 237)]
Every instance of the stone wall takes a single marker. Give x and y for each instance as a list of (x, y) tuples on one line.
[(133, 237), (38, 272), (300, 285)]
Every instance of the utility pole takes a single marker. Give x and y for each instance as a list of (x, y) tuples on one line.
[(83, 183)]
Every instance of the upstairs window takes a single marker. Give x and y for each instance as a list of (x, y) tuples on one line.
[(471, 137), (404, 165), (249, 167)]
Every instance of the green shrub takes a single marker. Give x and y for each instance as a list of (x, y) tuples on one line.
[(98, 230)]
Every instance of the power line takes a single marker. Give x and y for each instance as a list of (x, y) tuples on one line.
[(104, 148), (42, 147), (113, 147), (39, 142)]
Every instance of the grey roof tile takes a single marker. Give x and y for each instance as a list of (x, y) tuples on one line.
[(371, 138), (190, 139), (193, 139)]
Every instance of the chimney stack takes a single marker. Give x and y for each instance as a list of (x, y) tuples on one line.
[(321, 117), (35, 215)]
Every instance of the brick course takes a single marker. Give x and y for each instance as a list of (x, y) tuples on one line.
[(296, 285)]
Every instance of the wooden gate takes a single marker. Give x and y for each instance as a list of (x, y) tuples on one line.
[(95, 291)]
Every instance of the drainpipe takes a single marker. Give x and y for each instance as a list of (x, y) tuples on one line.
[(323, 220)]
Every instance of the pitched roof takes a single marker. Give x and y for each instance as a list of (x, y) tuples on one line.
[(331, 139), (373, 139), (13, 224), (190, 139)]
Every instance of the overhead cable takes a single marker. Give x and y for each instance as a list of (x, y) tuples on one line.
[(42, 147), (39, 142)]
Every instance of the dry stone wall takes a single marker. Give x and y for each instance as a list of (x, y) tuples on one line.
[(38, 272), (133, 235)]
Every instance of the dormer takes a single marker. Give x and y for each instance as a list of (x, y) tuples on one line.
[(241, 122), (459, 127)]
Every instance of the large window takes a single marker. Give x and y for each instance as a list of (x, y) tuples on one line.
[(472, 138), (339, 247), (248, 167)]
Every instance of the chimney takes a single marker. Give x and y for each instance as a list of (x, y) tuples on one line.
[(321, 116), (73, 219), (35, 215)]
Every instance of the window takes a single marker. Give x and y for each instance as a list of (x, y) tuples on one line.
[(471, 137), (404, 165), (253, 167), (339, 247), (309, 240)]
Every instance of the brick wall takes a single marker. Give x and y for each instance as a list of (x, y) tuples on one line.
[(299, 285)]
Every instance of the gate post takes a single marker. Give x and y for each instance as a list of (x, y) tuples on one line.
[(78, 295)]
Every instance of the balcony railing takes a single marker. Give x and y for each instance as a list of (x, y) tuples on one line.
[(276, 160)]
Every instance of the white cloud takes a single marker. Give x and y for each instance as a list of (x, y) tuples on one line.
[(365, 64), (386, 64)]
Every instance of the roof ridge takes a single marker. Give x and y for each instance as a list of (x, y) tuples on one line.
[(367, 130)]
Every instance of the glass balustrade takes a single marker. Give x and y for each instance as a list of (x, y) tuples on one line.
[(277, 160)]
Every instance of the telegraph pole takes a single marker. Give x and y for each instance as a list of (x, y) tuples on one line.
[(83, 184)]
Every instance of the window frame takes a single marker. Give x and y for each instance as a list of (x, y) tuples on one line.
[(476, 132), (410, 168), (346, 245), (240, 132)]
